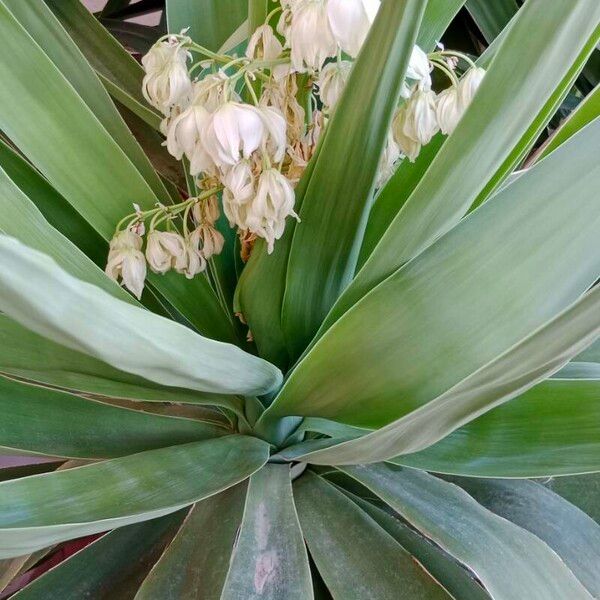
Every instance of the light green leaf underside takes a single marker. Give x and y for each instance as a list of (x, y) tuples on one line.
[(536, 54), (26, 355), (44, 509), (509, 561), (210, 22), (205, 541), (107, 568), (459, 582), (354, 555), (43, 113), (523, 365), (46, 30), (334, 208), (54, 423), (120, 73), (573, 535), (269, 560), (553, 429), (504, 271), (37, 293)]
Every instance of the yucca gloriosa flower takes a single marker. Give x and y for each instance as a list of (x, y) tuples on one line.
[(396, 395)]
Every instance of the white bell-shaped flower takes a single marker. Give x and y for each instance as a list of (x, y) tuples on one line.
[(163, 249), (274, 202), (167, 79), (275, 132), (421, 121), (282, 96), (332, 81), (233, 131), (191, 262), (448, 110), (126, 261), (183, 134), (211, 241), (210, 92), (206, 211), (263, 44), (419, 68), (391, 155), (239, 182), (309, 36), (350, 21), (408, 146), (469, 84)]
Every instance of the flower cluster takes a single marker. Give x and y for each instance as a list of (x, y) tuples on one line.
[(248, 126)]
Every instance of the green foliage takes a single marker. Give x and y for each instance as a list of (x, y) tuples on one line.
[(418, 350)]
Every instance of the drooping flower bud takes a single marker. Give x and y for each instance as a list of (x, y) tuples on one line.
[(350, 21), (126, 261), (448, 110), (263, 44), (309, 36), (233, 130), (191, 262), (274, 202), (421, 122), (163, 249), (419, 68), (469, 84), (332, 81), (167, 79), (409, 147)]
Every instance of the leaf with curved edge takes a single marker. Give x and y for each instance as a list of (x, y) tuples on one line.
[(43, 112), (553, 429), (573, 535), (108, 567), (492, 17), (48, 33), (74, 427), (354, 555), (44, 509), (205, 540), (453, 577), (581, 490), (518, 369), (261, 286), (482, 288), (325, 245), (269, 560), (210, 22), (27, 356), (37, 293), (55, 209), (509, 561), (19, 217), (587, 111), (120, 73), (537, 53)]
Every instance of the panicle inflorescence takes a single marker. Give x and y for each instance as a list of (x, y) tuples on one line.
[(248, 126)]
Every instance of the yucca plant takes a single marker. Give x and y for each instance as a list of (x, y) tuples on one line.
[(385, 385)]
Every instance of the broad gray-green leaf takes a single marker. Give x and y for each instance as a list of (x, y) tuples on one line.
[(438, 15), (52, 38), (492, 17), (518, 369), (536, 54), (354, 555), (581, 490), (107, 568), (210, 22), (553, 429), (45, 509), (205, 541), (51, 124), (37, 293), (120, 73), (326, 242), (28, 356), (74, 427), (509, 561), (459, 582), (503, 272), (269, 560), (573, 535), (20, 218)]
